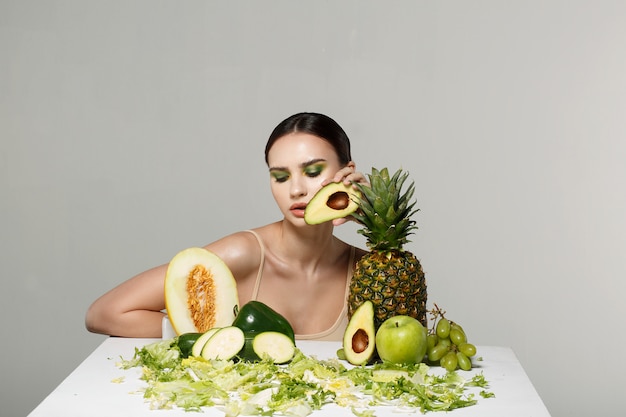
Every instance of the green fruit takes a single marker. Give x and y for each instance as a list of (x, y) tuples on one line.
[(444, 342), (443, 328), (449, 361), (457, 336), (256, 317), (332, 201), (467, 349), (457, 326), (432, 341), (200, 292), (438, 352), (464, 362), (186, 341), (359, 338), (401, 340)]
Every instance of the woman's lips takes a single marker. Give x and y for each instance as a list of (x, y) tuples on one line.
[(297, 209)]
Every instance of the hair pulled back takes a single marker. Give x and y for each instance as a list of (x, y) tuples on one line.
[(315, 124)]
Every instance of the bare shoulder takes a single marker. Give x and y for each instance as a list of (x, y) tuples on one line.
[(240, 251)]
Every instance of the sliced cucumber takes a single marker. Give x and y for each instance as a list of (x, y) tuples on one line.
[(274, 345), (196, 350), (224, 344)]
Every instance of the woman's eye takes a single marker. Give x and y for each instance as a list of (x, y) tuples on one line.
[(313, 171), (280, 177)]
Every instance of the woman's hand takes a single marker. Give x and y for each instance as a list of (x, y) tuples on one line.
[(348, 175)]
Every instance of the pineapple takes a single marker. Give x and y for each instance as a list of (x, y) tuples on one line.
[(391, 277)]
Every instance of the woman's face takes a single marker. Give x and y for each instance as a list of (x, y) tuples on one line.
[(298, 164)]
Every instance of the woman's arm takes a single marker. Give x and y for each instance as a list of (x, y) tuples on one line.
[(132, 309)]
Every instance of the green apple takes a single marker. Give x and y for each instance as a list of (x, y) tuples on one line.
[(402, 340)]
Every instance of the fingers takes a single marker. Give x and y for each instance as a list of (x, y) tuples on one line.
[(343, 220), (340, 221), (348, 175)]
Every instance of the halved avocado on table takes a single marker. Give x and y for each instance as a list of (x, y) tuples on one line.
[(200, 292), (333, 201), (359, 338)]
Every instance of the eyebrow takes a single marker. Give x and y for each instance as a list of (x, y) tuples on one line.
[(302, 165)]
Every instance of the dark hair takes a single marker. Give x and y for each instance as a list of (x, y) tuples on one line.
[(315, 124)]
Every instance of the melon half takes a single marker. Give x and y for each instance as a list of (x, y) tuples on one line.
[(200, 292)]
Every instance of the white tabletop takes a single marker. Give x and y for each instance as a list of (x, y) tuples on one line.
[(90, 391)]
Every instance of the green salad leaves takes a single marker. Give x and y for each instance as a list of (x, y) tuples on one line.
[(295, 389)]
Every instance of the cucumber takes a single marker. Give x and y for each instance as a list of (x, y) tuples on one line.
[(276, 346), (185, 343), (224, 344), (196, 350)]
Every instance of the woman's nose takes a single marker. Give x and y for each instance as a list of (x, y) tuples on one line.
[(298, 187)]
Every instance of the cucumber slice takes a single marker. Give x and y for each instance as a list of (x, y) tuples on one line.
[(274, 345), (196, 349), (224, 344)]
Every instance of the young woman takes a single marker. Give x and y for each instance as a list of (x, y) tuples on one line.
[(301, 271)]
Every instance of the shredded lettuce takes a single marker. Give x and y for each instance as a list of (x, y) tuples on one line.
[(298, 388)]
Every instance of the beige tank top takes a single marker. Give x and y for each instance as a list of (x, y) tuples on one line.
[(335, 332)]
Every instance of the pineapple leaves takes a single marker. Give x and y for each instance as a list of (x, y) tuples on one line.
[(379, 204), (377, 178), (386, 210)]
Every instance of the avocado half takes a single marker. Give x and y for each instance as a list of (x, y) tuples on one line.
[(359, 338), (333, 201)]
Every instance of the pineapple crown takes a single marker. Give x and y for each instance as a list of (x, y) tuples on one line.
[(385, 210)]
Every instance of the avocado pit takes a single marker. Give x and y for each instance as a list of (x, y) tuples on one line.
[(360, 341), (338, 200)]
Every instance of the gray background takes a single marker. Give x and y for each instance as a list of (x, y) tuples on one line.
[(133, 129)]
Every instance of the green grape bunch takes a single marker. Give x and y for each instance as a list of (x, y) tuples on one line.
[(447, 344)]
